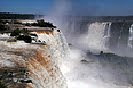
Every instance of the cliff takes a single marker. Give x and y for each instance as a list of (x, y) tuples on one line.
[(27, 65)]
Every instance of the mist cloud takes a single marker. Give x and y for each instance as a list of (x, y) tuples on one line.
[(92, 7)]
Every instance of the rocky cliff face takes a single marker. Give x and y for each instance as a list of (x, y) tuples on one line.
[(34, 65)]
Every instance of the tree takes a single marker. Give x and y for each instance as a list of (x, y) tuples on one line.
[(27, 39), (2, 85), (15, 32), (3, 27)]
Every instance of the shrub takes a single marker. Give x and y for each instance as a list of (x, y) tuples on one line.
[(2, 85), (3, 27), (25, 38), (15, 32), (20, 37)]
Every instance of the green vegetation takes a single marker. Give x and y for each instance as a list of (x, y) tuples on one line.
[(3, 22), (22, 35), (25, 38), (17, 32), (16, 16), (41, 23), (3, 27), (2, 85)]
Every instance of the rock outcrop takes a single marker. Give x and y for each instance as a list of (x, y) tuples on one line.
[(34, 65)]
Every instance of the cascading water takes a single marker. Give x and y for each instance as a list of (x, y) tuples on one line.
[(85, 70), (98, 36), (130, 38), (107, 34)]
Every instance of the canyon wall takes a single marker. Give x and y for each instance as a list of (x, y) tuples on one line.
[(40, 63), (100, 33)]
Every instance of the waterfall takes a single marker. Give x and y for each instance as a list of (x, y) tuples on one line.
[(98, 36), (107, 34), (130, 37)]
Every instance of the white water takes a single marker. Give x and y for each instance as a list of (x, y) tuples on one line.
[(89, 75), (95, 74), (98, 36), (130, 38)]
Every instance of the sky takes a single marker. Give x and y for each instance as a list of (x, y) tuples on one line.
[(69, 7)]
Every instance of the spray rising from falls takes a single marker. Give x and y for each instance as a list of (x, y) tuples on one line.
[(101, 36), (98, 36), (99, 72)]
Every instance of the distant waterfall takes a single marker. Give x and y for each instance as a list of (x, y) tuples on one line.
[(98, 36), (107, 34), (130, 38)]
